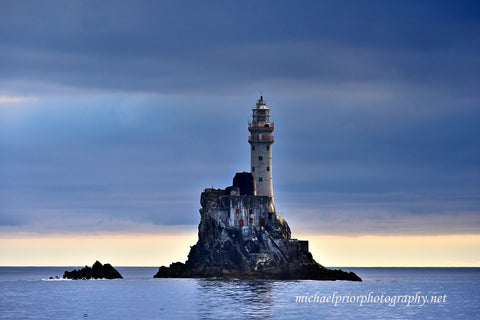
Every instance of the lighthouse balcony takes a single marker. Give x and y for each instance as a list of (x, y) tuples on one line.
[(261, 138), (261, 124)]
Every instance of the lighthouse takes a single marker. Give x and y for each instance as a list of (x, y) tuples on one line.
[(261, 140)]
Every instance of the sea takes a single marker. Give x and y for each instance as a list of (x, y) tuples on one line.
[(385, 293)]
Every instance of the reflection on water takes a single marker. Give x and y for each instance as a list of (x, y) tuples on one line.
[(231, 299)]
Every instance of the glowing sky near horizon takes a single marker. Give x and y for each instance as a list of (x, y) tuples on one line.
[(115, 115), (162, 249)]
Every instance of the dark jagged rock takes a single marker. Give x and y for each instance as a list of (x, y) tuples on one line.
[(97, 271), (240, 237)]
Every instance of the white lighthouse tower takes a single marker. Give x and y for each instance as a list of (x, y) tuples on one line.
[(261, 141)]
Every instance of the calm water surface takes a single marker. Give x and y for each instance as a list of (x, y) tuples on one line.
[(26, 293)]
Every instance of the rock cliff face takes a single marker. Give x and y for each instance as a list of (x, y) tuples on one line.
[(97, 271), (239, 238)]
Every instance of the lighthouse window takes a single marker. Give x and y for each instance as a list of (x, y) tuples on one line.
[(253, 147), (253, 169), (260, 158), (268, 168), (260, 179), (268, 147)]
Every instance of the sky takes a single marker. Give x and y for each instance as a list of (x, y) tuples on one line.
[(115, 115)]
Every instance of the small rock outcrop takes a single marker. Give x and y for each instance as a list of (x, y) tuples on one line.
[(240, 236), (97, 271)]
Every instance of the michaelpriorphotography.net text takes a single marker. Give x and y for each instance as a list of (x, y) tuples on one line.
[(335, 299)]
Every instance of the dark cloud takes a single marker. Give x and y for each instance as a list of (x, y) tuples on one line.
[(135, 108), (191, 46)]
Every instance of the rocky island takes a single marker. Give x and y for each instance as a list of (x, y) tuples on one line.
[(240, 234), (97, 271), (239, 238)]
